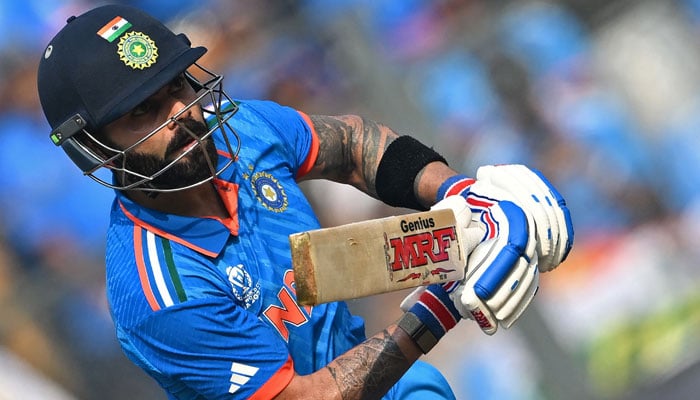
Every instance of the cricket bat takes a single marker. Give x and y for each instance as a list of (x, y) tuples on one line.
[(376, 256)]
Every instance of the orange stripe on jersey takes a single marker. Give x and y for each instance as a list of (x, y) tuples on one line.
[(141, 266), (164, 234), (313, 152), (228, 191), (276, 383)]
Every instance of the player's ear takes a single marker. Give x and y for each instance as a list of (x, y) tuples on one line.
[(194, 82)]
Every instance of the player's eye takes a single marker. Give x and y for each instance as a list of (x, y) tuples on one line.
[(177, 84), (141, 109)]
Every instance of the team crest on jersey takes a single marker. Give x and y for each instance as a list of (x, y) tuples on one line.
[(269, 192), (137, 50), (242, 285)]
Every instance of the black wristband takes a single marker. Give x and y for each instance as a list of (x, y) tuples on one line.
[(421, 335), (402, 161)]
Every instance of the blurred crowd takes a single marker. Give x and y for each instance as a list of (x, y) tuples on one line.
[(603, 97)]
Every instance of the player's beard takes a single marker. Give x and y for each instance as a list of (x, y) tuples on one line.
[(187, 171)]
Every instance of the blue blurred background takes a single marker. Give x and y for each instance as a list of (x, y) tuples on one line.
[(602, 96)]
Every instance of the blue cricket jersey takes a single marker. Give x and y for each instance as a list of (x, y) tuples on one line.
[(207, 306)]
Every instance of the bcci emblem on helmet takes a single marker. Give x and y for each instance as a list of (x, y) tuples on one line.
[(137, 50)]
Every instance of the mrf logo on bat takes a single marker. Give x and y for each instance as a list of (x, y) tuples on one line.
[(422, 251)]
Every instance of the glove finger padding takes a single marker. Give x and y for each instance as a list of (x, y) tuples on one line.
[(523, 302), (538, 198), (471, 233), (564, 219), (502, 300), (471, 307), (500, 278), (482, 197), (529, 195), (521, 296)]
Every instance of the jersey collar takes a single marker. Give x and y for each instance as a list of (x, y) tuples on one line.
[(204, 235)]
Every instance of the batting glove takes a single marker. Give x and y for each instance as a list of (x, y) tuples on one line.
[(432, 305), (544, 207), (500, 275), (528, 230)]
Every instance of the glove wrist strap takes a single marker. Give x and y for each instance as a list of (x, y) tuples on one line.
[(435, 312), (458, 184)]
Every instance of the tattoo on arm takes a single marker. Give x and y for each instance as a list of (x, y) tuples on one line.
[(350, 149), (371, 151), (369, 370), (334, 156)]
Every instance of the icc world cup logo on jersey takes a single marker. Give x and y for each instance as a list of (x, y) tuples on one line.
[(242, 285)]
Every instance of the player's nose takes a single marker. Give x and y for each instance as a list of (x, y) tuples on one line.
[(178, 110)]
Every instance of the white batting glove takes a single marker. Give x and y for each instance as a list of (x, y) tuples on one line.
[(529, 230), (501, 273), (472, 232), (500, 277), (544, 207)]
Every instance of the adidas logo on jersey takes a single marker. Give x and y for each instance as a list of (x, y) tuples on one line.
[(240, 375)]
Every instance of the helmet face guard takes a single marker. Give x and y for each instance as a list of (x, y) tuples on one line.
[(93, 155), (107, 61)]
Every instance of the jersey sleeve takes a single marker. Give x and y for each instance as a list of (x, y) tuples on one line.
[(294, 130), (311, 155), (211, 348)]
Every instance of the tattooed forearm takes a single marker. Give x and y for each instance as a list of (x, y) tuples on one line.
[(371, 151), (350, 149), (369, 370)]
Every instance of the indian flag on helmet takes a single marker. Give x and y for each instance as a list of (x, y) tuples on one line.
[(114, 29)]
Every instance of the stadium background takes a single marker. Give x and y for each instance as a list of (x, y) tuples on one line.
[(600, 95)]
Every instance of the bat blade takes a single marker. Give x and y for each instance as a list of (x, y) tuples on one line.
[(376, 256)]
